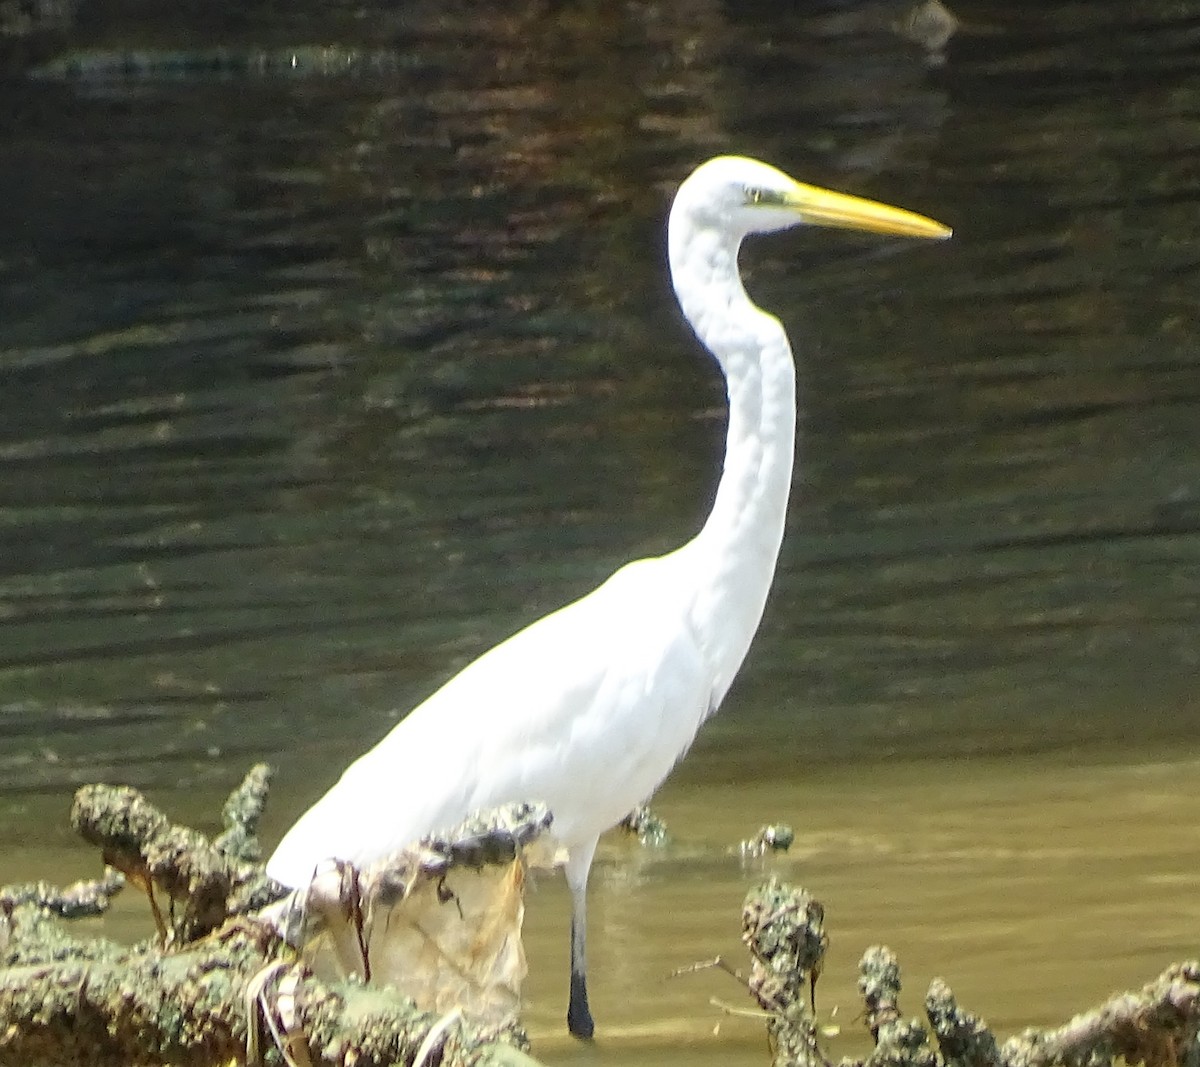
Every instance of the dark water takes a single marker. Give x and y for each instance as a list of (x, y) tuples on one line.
[(318, 382)]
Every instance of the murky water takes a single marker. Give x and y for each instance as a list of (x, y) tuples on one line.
[(315, 386)]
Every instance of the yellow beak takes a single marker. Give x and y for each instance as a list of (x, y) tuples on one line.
[(822, 207)]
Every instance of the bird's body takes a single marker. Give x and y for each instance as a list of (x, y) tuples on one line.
[(589, 708), (486, 737)]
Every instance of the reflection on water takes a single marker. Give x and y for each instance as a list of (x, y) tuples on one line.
[(315, 387)]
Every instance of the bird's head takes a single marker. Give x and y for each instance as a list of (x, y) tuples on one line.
[(739, 195)]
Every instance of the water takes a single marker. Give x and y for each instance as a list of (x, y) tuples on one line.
[(317, 385)]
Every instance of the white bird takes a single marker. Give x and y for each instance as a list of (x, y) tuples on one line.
[(590, 707)]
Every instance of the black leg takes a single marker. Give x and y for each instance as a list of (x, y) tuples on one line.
[(579, 1015)]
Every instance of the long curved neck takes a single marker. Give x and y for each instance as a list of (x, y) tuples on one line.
[(737, 549)]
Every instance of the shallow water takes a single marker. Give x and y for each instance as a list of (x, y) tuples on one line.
[(316, 386), (1034, 885)]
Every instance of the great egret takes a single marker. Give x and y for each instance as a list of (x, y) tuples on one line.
[(589, 708)]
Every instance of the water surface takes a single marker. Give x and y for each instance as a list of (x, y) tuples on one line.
[(317, 384)]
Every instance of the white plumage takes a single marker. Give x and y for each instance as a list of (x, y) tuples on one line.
[(553, 696), (589, 708)]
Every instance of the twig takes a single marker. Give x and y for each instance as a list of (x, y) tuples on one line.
[(718, 962), (741, 1013)]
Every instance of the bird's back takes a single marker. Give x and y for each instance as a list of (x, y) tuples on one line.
[(586, 710)]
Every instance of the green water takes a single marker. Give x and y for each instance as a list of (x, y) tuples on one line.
[(317, 385)]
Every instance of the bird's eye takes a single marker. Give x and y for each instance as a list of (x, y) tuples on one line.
[(759, 197)]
